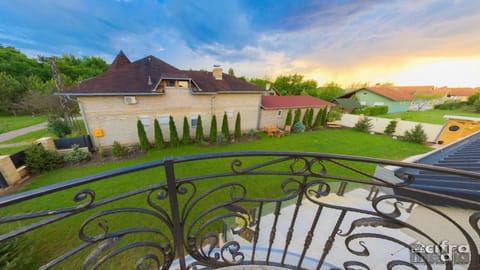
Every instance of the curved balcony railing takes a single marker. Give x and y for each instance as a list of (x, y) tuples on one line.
[(282, 209)]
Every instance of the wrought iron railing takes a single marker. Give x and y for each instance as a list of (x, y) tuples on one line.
[(284, 209)]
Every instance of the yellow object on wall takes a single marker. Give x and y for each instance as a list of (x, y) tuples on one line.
[(98, 132), (458, 127)]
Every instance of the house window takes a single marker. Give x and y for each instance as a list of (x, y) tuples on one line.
[(182, 84), (145, 120), (363, 103), (378, 103), (230, 114), (170, 83), (163, 119), (279, 114), (193, 120)]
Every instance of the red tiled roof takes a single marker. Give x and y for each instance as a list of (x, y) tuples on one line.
[(278, 102), (415, 89), (457, 91), (390, 93), (143, 75)]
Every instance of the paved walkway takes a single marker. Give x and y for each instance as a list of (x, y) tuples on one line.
[(18, 132)]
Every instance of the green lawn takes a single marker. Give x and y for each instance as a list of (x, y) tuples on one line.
[(11, 150), (9, 123), (30, 137), (46, 241), (430, 116)]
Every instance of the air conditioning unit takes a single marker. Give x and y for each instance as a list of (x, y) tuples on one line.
[(129, 100)]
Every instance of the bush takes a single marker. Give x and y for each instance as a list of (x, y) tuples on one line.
[(390, 128), (298, 127), (159, 141), (225, 130), (174, 141), (186, 131), (199, 131), (452, 105), (16, 253), (416, 135), (288, 120), (213, 130), (221, 139), (142, 136), (39, 160), (238, 127), (118, 150), (364, 124), (335, 114), (371, 110), (58, 127), (321, 118), (77, 155)]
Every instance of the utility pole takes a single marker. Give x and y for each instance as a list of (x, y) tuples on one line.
[(67, 111)]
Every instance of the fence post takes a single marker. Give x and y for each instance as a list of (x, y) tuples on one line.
[(174, 209)]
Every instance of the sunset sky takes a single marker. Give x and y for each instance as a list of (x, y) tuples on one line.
[(407, 42)]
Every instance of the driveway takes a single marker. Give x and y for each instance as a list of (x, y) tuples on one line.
[(15, 133)]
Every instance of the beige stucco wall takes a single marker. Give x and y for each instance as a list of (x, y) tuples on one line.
[(119, 120)]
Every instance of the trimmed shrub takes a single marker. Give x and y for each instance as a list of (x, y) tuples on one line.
[(174, 141), (199, 130), (288, 120), (58, 127), (39, 160), (390, 128), (16, 253), (225, 130), (298, 114), (221, 139), (118, 150), (416, 135), (310, 118), (159, 140), (186, 132), (335, 114), (453, 105), (364, 124), (298, 127), (238, 127), (77, 155), (371, 110), (213, 130), (142, 136), (305, 118), (321, 118)]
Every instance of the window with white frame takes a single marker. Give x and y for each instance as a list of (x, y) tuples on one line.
[(145, 120), (378, 103), (163, 119), (363, 103)]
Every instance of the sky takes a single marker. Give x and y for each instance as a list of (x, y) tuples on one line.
[(406, 42)]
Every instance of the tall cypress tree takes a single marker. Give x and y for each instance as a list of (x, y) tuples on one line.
[(305, 118), (225, 131), (199, 130), (288, 120), (186, 131), (159, 141), (238, 128), (310, 118), (213, 130), (174, 142), (142, 136), (298, 114)]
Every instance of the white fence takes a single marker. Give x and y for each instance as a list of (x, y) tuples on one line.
[(379, 124)]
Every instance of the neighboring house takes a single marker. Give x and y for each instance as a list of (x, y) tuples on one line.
[(275, 108), (457, 93), (150, 89), (347, 104), (381, 96)]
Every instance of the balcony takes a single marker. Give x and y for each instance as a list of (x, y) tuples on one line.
[(248, 210)]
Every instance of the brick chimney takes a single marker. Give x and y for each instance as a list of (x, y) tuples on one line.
[(217, 72)]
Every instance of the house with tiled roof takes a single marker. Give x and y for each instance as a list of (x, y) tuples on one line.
[(396, 101), (274, 109), (149, 89)]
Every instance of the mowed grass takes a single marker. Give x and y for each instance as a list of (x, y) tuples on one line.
[(30, 136), (11, 150), (55, 239), (9, 123), (431, 116)]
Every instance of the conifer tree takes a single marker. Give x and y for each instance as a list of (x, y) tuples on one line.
[(225, 131), (186, 131), (238, 128), (213, 130), (298, 114), (159, 141), (142, 136), (174, 141), (199, 130), (288, 120)]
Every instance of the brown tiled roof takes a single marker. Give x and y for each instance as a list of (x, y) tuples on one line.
[(390, 93), (279, 102), (143, 75), (415, 89), (208, 83), (457, 91)]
